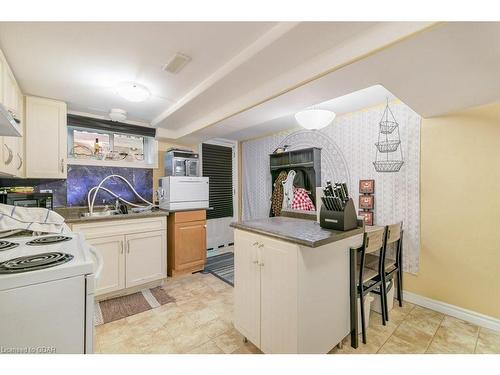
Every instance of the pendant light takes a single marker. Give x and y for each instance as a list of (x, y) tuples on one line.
[(314, 118)]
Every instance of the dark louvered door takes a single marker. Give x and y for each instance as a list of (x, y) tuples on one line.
[(218, 166)]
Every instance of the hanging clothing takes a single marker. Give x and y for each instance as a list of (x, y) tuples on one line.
[(288, 189), (301, 200), (277, 196)]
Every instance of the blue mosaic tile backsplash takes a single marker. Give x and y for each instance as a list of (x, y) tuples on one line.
[(82, 178)]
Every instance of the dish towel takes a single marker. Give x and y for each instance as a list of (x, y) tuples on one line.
[(301, 200), (36, 219)]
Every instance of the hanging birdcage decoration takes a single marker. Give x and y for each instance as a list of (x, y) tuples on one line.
[(389, 142)]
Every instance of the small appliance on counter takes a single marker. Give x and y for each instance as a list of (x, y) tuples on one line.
[(181, 162), (337, 211), (181, 192), (16, 196)]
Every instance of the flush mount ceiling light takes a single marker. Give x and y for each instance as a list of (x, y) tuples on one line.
[(133, 92), (117, 114), (314, 118)]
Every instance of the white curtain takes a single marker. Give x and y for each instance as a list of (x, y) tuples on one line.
[(348, 151)]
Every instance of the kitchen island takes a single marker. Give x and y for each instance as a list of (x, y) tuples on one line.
[(292, 282)]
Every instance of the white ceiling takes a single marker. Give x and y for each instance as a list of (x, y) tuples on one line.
[(246, 78), (364, 98), (447, 68), (82, 62)]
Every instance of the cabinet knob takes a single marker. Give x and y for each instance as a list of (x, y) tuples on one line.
[(255, 244), (255, 262), (261, 246), (261, 264)]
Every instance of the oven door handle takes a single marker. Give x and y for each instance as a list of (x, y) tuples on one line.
[(99, 259)]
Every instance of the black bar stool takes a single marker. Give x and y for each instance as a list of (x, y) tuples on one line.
[(370, 279), (392, 267)]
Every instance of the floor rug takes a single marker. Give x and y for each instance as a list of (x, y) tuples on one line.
[(121, 307), (221, 266)]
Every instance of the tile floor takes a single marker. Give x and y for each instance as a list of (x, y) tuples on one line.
[(200, 322)]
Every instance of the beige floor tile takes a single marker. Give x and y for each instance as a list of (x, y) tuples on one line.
[(202, 316), (488, 342), (215, 327), (201, 322), (408, 338), (207, 348), (177, 327), (454, 336), (191, 305), (247, 348), (229, 341), (189, 340), (424, 320), (122, 347)]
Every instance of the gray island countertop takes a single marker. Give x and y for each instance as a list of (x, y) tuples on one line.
[(300, 231)]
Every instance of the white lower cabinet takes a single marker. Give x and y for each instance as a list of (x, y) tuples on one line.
[(145, 258), (290, 298), (134, 252), (113, 273), (266, 292)]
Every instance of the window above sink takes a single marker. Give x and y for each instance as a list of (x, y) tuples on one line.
[(87, 146)]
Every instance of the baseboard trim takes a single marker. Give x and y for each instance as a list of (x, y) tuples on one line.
[(452, 310)]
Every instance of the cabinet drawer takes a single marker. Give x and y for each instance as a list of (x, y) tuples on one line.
[(118, 227), (183, 217)]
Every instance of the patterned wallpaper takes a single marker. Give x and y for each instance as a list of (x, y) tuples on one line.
[(347, 154)]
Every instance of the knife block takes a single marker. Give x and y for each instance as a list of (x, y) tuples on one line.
[(339, 220)]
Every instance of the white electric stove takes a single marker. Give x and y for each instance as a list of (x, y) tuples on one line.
[(47, 294)]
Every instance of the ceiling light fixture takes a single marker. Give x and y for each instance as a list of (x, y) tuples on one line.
[(133, 92), (117, 114), (314, 118)]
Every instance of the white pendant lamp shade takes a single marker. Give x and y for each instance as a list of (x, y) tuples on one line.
[(133, 92), (314, 118)]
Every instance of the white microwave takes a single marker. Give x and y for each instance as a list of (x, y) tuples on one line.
[(183, 192)]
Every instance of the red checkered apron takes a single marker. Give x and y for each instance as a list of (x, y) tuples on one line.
[(301, 200)]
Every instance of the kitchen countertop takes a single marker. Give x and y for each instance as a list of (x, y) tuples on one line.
[(73, 215), (299, 231)]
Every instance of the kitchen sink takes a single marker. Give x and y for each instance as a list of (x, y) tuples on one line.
[(101, 213)]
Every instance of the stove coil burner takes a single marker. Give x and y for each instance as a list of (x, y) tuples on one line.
[(6, 245), (34, 262), (47, 240)]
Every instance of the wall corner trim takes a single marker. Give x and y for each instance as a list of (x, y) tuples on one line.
[(452, 310)]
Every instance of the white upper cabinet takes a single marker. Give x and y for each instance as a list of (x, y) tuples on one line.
[(45, 138), (11, 148), (10, 92)]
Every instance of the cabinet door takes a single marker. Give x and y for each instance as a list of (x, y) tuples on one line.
[(278, 267), (113, 273), (190, 244), (247, 286), (145, 257), (45, 138), (10, 92)]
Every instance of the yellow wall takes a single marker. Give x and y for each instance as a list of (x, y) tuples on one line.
[(162, 147), (460, 210)]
